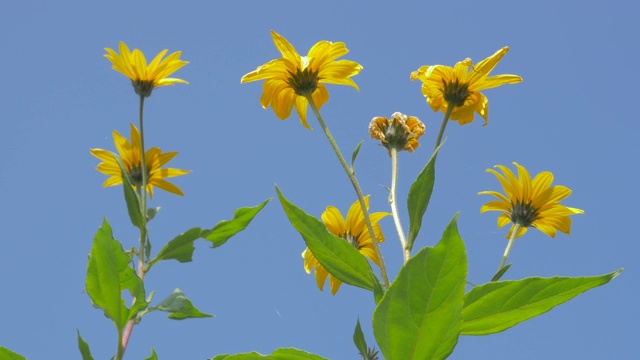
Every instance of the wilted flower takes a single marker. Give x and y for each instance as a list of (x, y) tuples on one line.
[(459, 86), (130, 154), (145, 78), (354, 230), (289, 79), (401, 132), (529, 202)]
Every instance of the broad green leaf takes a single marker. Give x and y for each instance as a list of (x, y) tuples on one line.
[(108, 275), (153, 356), (339, 257), (180, 248), (355, 153), (419, 315), (84, 348), (6, 354), (359, 340), (227, 228), (130, 197), (419, 196), (500, 272), (378, 290), (497, 306), (279, 354), (179, 307)]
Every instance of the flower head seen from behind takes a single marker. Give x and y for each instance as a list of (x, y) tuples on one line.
[(145, 78), (528, 202), (460, 86), (130, 154), (401, 132), (354, 230), (288, 80)]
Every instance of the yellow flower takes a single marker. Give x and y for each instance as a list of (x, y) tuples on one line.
[(354, 230), (287, 80), (529, 202), (401, 132), (445, 86), (145, 78), (130, 154)]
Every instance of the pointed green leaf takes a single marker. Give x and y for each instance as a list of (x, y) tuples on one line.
[(151, 213), (279, 354), (355, 153), (108, 275), (153, 356), (84, 348), (6, 354), (500, 272), (227, 228), (497, 306), (339, 257), (419, 196), (130, 197), (378, 290), (419, 315), (180, 248), (359, 340), (179, 307)]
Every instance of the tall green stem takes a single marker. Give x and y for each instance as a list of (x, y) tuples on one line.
[(356, 186), (406, 253), (443, 126), (516, 228)]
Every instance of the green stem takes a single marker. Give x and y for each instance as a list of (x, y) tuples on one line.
[(516, 228), (121, 348), (443, 126), (356, 186), (406, 252)]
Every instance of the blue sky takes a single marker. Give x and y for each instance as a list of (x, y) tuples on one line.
[(574, 115)]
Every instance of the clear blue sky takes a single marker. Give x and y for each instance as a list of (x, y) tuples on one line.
[(575, 114)]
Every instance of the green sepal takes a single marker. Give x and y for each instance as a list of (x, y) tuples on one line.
[(359, 340), (355, 153), (153, 355), (497, 306), (336, 255), (84, 348), (180, 248), (108, 275), (500, 272), (279, 354), (419, 196), (419, 315), (179, 307), (6, 354), (227, 228), (130, 197)]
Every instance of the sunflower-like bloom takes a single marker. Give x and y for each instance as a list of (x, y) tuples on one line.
[(459, 86), (354, 230), (529, 202), (145, 78), (400, 132), (289, 79), (130, 154)]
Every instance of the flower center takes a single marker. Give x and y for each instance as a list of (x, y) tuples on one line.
[(353, 240), (142, 87), (135, 176), (303, 82), (523, 214), (455, 93)]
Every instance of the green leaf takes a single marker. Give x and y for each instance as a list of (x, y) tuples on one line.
[(339, 257), (359, 340), (130, 197), (500, 272), (151, 213), (153, 356), (84, 348), (179, 307), (497, 306), (279, 354), (419, 315), (419, 196), (355, 153), (378, 290), (108, 275), (227, 228), (180, 248), (6, 354)]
